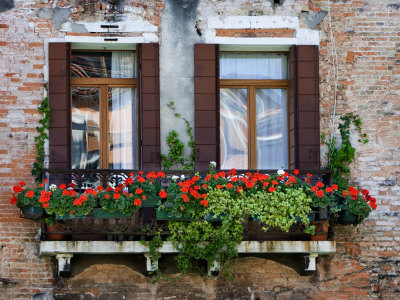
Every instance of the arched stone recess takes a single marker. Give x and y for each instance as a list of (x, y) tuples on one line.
[(104, 281)]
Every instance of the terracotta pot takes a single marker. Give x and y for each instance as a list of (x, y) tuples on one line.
[(321, 231), (53, 236)]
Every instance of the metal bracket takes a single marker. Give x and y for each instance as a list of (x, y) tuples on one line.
[(151, 264), (213, 268), (310, 262), (64, 263)]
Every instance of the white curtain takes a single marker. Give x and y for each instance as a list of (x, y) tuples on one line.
[(123, 65), (253, 66)]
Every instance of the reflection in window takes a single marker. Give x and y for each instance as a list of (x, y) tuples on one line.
[(85, 128)]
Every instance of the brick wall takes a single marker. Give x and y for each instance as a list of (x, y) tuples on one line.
[(367, 39)]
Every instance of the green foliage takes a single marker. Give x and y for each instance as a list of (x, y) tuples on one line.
[(154, 244), (40, 139), (175, 155), (340, 158)]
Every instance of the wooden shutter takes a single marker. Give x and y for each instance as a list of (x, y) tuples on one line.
[(149, 95), (60, 105), (206, 93), (304, 137)]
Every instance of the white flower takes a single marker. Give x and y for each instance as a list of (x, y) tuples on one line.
[(281, 172), (53, 187), (174, 177), (213, 163), (182, 177)]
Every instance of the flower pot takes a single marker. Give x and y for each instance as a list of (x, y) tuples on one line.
[(150, 202), (347, 217), (103, 214), (31, 212), (321, 231), (53, 236), (164, 215), (322, 214)]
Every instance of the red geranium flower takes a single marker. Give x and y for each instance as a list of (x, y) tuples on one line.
[(320, 184), (137, 202), (271, 189), (161, 174), (30, 194), (100, 188), (185, 198), (116, 196), (107, 196), (139, 191), (14, 200), (163, 194), (45, 205), (229, 185), (21, 183), (204, 202), (296, 172), (314, 189), (63, 186), (17, 189), (239, 189), (334, 187), (319, 193), (219, 186)]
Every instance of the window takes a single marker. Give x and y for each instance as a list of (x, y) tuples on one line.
[(253, 110), (104, 110)]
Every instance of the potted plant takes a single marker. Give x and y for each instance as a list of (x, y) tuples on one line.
[(27, 199), (53, 230)]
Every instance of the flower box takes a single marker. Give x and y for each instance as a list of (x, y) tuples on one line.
[(150, 202), (68, 217), (103, 214), (164, 215), (347, 217), (31, 212)]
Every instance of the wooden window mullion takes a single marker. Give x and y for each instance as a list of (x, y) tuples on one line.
[(104, 127), (252, 127)]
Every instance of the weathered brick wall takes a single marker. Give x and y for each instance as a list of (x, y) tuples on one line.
[(367, 40)]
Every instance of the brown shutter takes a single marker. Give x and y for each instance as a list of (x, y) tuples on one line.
[(149, 95), (206, 93), (304, 135), (60, 106)]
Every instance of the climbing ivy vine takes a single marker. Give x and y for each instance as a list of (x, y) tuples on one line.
[(40, 139)]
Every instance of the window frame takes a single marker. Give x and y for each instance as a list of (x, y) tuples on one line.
[(103, 84), (251, 85)]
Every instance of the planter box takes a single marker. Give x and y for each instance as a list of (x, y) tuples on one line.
[(150, 202), (103, 214), (347, 217), (31, 212), (163, 215), (68, 217)]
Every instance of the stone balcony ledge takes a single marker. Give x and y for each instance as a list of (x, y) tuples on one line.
[(64, 250)]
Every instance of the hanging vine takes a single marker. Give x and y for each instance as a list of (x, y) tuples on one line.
[(40, 139)]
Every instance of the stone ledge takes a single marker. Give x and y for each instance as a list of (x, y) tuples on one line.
[(105, 247)]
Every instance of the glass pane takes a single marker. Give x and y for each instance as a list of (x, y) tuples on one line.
[(253, 66), (117, 64), (122, 128), (233, 128), (271, 122), (85, 128)]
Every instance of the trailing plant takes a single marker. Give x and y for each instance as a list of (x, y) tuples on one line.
[(340, 157), (40, 139), (175, 155), (154, 244)]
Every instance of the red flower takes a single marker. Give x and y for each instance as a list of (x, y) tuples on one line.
[(63, 186), (21, 183), (204, 202), (204, 196), (17, 189), (143, 196), (116, 196), (100, 188), (128, 181), (163, 194), (45, 205), (232, 172), (222, 174), (137, 202), (274, 182), (185, 198), (139, 191), (286, 174), (131, 174), (314, 189), (219, 186), (65, 193), (83, 198), (195, 178), (109, 189), (204, 186), (320, 184), (117, 189), (140, 172), (41, 185), (77, 201), (71, 185), (239, 189), (344, 193), (107, 196), (319, 193), (208, 177), (296, 172), (30, 194), (334, 187), (161, 174), (365, 192), (229, 185), (216, 176), (373, 205), (14, 200), (249, 184), (141, 179), (328, 190), (309, 175), (271, 189)]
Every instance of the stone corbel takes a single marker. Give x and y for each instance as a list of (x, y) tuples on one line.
[(64, 263), (151, 264), (310, 262)]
